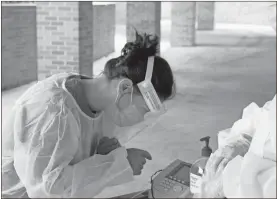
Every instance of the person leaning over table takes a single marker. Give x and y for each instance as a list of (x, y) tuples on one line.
[(53, 144)]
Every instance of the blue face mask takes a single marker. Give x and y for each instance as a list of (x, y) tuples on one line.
[(128, 116)]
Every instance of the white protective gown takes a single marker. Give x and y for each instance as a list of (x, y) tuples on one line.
[(254, 175), (49, 147)]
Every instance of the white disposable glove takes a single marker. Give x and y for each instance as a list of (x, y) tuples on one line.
[(212, 182), (212, 178)]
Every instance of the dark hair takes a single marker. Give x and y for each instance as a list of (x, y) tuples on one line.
[(132, 64)]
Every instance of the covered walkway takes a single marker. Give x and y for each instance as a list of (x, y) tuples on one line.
[(215, 80)]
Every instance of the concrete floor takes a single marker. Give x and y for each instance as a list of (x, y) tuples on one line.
[(215, 80)]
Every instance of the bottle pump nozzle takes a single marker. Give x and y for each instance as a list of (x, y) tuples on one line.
[(206, 150)]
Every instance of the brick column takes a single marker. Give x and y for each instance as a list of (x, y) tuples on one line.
[(205, 15), (64, 32), (183, 23), (19, 45), (144, 16), (103, 29)]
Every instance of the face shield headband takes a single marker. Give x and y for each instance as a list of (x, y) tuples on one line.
[(148, 91)]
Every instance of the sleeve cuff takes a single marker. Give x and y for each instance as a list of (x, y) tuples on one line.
[(120, 155)]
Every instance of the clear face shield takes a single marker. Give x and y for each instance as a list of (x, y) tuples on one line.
[(148, 91)]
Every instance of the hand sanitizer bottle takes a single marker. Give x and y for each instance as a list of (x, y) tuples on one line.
[(198, 167)]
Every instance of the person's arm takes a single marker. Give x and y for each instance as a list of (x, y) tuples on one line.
[(244, 129), (237, 144), (44, 149)]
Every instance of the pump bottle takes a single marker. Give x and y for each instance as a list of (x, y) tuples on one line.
[(198, 167), (206, 150)]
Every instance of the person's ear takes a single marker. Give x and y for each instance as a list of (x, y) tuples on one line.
[(125, 90), (125, 86)]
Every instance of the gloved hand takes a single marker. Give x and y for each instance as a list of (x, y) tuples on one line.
[(212, 185), (239, 145), (137, 159), (106, 145), (212, 180)]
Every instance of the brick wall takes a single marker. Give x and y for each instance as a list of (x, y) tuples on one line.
[(205, 15), (103, 30), (19, 63), (71, 35), (120, 12), (145, 17), (85, 38), (183, 15), (57, 34)]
